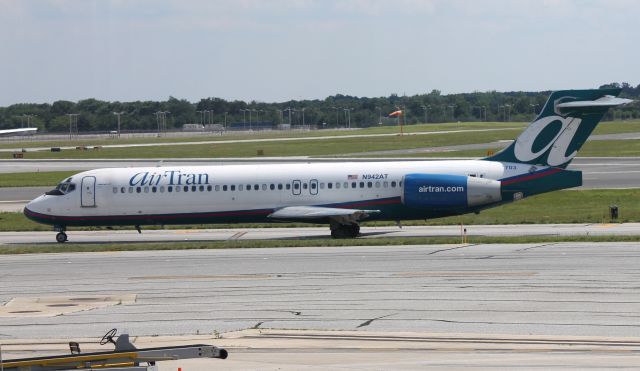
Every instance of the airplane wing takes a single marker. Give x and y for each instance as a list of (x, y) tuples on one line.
[(318, 213), (15, 131)]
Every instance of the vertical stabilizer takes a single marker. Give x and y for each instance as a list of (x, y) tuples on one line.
[(561, 128)]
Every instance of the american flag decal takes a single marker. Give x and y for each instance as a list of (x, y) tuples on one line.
[(352, 177)]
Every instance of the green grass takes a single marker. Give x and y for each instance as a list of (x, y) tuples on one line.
[(262, 135), (617, 127), (43, 178), (245, 244), (293, 148), (570, 206)]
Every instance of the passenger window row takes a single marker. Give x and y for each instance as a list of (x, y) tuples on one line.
[(256, 187)]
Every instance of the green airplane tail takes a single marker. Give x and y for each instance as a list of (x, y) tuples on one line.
[(562, 127)]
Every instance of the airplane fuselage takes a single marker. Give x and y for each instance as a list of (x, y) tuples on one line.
[(249, 193)]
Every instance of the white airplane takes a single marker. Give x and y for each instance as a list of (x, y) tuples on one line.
[(18, 131), (339, 194)]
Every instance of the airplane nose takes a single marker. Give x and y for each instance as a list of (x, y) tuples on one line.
[(34, 205)]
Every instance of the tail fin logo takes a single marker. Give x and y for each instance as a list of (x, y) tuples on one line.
[(551, 134)]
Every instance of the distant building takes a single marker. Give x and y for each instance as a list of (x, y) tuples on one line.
[(192, 127)]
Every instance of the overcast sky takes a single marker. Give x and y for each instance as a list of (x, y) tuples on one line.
[(277, 50)]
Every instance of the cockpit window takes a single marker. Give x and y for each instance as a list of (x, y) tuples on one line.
[(62, 189)]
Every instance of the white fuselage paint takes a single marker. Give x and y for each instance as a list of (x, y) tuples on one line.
[(111, 201)]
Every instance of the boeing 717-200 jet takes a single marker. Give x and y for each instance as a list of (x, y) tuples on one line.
[(340, 195)]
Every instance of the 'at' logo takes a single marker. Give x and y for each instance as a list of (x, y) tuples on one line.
[(556, 143)]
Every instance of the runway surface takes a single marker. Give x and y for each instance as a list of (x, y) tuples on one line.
[(235, 234), (565, 289)]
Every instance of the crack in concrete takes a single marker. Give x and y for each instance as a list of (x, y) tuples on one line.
[(536, 247), (441, 250), (257, 325), (368, 322)]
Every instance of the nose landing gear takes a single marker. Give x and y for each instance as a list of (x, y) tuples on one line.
[(61, 237)]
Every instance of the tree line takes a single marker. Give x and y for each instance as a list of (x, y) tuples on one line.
[(334, 111)]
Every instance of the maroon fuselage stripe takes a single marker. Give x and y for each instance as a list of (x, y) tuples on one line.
[(531, 176)]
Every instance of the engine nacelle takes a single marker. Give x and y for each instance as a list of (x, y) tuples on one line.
[(441, 191)]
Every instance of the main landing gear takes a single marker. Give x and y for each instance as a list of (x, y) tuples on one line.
[(345, 230), (61, 237)]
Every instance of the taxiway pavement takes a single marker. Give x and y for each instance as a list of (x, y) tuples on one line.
[(529, 292), (544, 289), (235, 234)]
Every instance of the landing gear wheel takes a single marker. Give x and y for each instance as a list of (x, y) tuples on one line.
[(61, 237), (345, 231)]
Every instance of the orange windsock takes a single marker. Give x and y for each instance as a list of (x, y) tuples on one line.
[(396, 113)]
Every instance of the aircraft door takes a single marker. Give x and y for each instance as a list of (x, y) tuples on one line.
[(296, 187), (88, 192), (313, 186)]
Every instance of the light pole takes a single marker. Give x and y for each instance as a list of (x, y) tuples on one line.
[(379, 115), (303, 123), (161, 119), (244, 117), (225, 120), (426, 113), (201, 117), (347, 116), (290, 110), (508, 109), (28, 117), (118, 114), (337, 115), (533, 110), (73, 124), (453, 106)]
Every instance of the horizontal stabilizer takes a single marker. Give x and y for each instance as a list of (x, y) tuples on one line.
[(606, 101)]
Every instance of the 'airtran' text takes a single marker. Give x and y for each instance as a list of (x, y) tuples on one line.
[(169, 177)]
